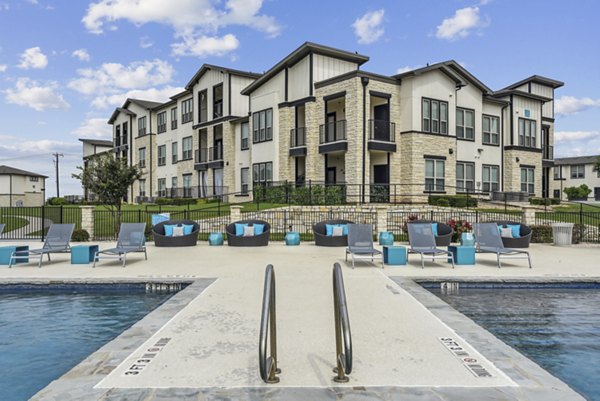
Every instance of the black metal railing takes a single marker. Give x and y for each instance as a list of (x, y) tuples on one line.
[(267, 365), (141, 131), (332, 131), (201, 155), (215, 153), (586, 223), (197, 192), (117, 141), (173, 124), (343, 336), (32, 223), (548, 152), (161, 128), (382, 130), (297, 137)]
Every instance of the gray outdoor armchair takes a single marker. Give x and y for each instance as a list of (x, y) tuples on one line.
[(131, 239), (444, 231), (1, 228), (321, 237), (57, 241), (255, 240), (162, 240), (524, 235)]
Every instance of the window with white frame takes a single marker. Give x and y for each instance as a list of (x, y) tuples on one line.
[(187, 110), (174, 182), (262, 122), (162, 187), (435, 116), (34, 179), (161, 119), (465, 176), (142, 157), (578, 171), (491, 130), (465, 123), (142, 126), (262, 173), (491, 178), (203, 106), (142, 187), (186, 147), (528, 180), (174, 155), (218, 101), (557, 172), (162, 155), (174, 118), (245, 128), (434, 175), (527, 133), (245, 180)]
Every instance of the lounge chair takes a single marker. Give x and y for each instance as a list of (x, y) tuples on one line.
[(489, 241), (57, 241), (524, 238), (422, 241), (444, 231), (1, 228), (360, 243), (131, 239)]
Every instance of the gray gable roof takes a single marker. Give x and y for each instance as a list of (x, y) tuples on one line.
[(97, 142), (6, 170), (208, 67), (576, 160), (553, 83)]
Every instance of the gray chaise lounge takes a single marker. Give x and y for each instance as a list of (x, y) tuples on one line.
[(160, 239), (444, 232), (256, 240), (320, 231)]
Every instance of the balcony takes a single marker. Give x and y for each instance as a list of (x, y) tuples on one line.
[(197, 192), (141, 131), (201, 159), (206, 158), (332, 137), (548, 152), (120, 143), (298, 141), (173, 124), (382, 136)]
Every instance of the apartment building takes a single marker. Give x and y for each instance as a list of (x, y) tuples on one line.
[(92, 148), (575, 171), (21, 188), (317, 115)]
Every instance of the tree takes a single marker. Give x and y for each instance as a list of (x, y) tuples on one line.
[(109, 178), (578, 193)]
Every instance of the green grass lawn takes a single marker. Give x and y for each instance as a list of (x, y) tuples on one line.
[(13, 223)]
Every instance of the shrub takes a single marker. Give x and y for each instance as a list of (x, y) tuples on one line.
[(148, 232), (541, 234), (80, 235), (54, 201), (452, 200), (411, 217), (334, 195), (544, 201), (175, 201), (580, 192), (443, 202)]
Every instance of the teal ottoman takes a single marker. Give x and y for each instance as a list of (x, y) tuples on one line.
[(7, 251), (386, 238), (83, 254), (292, 238), (462, 255), (394, 255), (215, 239)]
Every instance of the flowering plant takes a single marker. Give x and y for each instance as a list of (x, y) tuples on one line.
[(459, 226)]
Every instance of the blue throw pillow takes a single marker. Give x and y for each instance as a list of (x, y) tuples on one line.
[(329, 230), (499, 229), (169, 229), (258, 228), (434, 229), (239, 229), (187, 229), (516, 230)]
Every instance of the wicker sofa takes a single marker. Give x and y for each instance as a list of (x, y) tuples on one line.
[(524, 232), (256, 240), (444, 232), (320, 231), (160, 239)]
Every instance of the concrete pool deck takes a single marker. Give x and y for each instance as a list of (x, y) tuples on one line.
[(212, 327)]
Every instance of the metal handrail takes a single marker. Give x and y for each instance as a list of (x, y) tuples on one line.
[(268, 364), (343, 337)]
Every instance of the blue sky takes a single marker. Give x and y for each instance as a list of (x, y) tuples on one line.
[(65, 65)]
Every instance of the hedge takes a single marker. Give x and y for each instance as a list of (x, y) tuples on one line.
[(544, 201), (541, 234), (176, 201), (452, 200)]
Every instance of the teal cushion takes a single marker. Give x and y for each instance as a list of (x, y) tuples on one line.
[(187, 229), (329, 229), (258, 228), (169, 229), (239, 229), (516, 230), (434, 229), (499, 229)]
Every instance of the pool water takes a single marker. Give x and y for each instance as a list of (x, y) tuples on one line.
[(558, 328), (44, 334)]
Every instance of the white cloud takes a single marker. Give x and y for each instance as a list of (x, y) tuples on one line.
[(407, 68), (95, 127), (576, 143), (368, 28), (461, 24), (39, 97), (81, 54), (114, 77), (146, 42), (205, 46), (153, 94), (566, 136), (33, 58), (571, 105), (3, 67)]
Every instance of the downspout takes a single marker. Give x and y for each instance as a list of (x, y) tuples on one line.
[(502, 147), (130, 144), (10, 195), (364, 81), (151, 159)]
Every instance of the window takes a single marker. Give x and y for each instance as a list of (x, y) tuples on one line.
[(142, 157), (557, 172), (186, 153), (528, 180), (465, 177), (118, 135), (465, 124), (262, 123), (262, 173), (124, 141), (491, 181), (162, 187), (34, 179), (491, 130), (162, 155), (244, 141), (187, 110), (142, 188), (435, 116), (161, 122), (203, 108), (434, 175), (245, 172), (142, 126), (174, 157), (218, 101), (187, 185), (174, 182), (578, 171), (174, 118), (527, 133)]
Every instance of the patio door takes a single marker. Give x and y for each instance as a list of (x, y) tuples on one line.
[(218, 181), (381, 122), (381, 182), (203, 184)]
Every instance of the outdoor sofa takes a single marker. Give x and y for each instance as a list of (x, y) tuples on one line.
[(444, 231), (321, 237), (524, 235), (262, 239), (163, 240)]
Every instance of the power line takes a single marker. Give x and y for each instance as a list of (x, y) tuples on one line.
[(56, 155)]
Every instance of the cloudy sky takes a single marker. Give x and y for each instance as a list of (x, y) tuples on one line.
[(65, 64)]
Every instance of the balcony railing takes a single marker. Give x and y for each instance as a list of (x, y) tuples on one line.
[(332, 132), (173, 124), (161, 128), (201, 155), (117, 141), (194, 192), (382, 130), (548, 152), (297, 137), (142, 164), (215, 153), (141, 131)]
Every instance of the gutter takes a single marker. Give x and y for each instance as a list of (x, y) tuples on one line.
[(364, 81)]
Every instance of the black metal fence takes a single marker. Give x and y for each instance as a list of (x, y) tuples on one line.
[(30, 223), (586, 225)]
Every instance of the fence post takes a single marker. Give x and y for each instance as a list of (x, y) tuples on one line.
[(528, 216), (467, 189), (382, 212), (60, 219), (580, 214), (87, 220), (235, 212), (310, 192), (43, 221)]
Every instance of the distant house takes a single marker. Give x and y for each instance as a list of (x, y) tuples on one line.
[(574, 171), (93, 148), (21, 188)]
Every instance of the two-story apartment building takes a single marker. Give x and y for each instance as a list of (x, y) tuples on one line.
[(93, 148), (575, 171), (316, 115), (21, 188)]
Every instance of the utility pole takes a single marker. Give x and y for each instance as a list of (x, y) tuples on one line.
[(55, 156)]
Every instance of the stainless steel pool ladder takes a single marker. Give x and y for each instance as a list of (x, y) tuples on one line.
[(268, 322), (343, 336)]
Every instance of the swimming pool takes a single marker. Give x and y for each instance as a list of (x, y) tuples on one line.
[(557, 327), (44, 333)]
